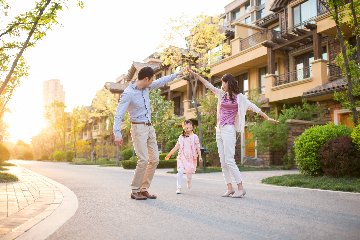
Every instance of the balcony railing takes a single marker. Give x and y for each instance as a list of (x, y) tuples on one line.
[(334, 72), (303, 24), (253, 40), (293, 76)]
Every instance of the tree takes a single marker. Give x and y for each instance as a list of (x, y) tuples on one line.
[(205, 41), (57, 118), (20, 33), (79, 118), (44, 143), (22, 150), (209, 111), (165, 122), (347, 61)]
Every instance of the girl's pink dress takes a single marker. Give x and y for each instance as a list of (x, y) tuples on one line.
[(187, 157)]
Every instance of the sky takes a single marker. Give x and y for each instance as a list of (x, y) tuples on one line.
[(94, 45)]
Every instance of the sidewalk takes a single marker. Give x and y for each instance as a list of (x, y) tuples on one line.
[(25, 203)]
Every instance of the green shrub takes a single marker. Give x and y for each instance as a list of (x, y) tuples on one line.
[(307, 146), (44, 157), (340, 158), (126, 153), (167, 164), (4, 153), (69, 156), (128, 164), (58, 156), (355, 135), (163, 155)]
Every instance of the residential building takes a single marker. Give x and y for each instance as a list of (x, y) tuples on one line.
[(285, 55)]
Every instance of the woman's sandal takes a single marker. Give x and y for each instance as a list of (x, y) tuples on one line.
[(228, 193)]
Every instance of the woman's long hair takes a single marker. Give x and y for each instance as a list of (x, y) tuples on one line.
[(232, 85), (184, 123)]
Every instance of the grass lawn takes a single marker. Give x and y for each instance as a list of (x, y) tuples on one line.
[(7, 177), (323, 182), (3, 169), (6, 164)]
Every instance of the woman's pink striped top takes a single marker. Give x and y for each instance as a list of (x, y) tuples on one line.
[(228, 111)]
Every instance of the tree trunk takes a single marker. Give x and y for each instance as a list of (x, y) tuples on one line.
[(357, 30), (16, 60), (347, 66)]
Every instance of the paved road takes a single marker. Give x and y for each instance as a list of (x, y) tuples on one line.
[(268, 212)]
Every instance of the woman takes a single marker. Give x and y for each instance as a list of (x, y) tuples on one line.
[(231, 111)]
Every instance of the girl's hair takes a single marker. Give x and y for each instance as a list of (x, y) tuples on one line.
[(184, 123), (232, 85)]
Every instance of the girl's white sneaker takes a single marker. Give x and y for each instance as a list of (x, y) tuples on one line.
[(178, 191)]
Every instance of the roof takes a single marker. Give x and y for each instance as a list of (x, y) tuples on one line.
[(116, 87), (278, 4), (330, 87), (136, 66)]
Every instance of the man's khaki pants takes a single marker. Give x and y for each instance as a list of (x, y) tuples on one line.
[(145, 144)]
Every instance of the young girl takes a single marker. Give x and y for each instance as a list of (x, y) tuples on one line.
[(231, 111), (189, 149)]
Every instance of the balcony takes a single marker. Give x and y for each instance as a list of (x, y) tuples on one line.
[(253, 40), (248, 50), (293, 84), (293, 76)]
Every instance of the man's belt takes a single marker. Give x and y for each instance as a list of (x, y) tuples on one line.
[(144, 123)]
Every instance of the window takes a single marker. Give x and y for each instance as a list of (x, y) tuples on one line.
[(277, 28), (244, 84), (260, 14), (262, 74), (224, 21), (247, 6), (177, 106), (260, 2), (235, 14), (304, 11), (247, 20), (303, 66)]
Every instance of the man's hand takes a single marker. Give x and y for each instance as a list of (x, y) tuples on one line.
[(119, 142)]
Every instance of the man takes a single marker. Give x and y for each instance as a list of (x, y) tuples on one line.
[(136, 100)]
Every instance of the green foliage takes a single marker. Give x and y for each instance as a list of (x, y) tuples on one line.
[(130, 164), (205, 43), (263, 131), (23, 151), (18, 33), (164, 120), (4, 153), (307, 146), (59, 156), (127, 153), (340, 158), (208, 120), (7, 177), (163, 155), (319, 182), (355, 135), (69, 156), (167, 164)]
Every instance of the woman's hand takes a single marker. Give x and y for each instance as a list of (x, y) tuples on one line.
[(272, 120)]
